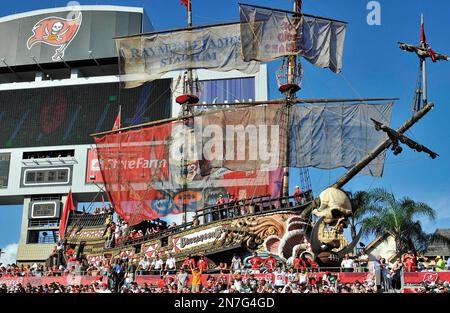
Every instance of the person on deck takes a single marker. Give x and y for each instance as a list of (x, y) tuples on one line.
[(220, 207), (232, 205), (298, 195)]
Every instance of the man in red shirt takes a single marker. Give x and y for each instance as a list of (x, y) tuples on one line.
[(70, 251), (256, 261), (299, 264), (161, 282), (298, 195), (202, 264), (270, 263)]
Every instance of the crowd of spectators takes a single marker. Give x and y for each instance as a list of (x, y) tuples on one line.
[(195, 276), (279, 281)]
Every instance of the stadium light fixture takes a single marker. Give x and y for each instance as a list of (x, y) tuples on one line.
[(37, 63), (7, 65), (65, 63), (91, 54)]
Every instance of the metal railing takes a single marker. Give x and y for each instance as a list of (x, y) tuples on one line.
[(45, 223), (211, 214)]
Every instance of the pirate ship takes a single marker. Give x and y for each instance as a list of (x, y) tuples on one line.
[(178, 165)]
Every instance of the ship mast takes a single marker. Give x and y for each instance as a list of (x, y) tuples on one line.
[(423, 63), (423, 51), (186, 99), (293, 71)]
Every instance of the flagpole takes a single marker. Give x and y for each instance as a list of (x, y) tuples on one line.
[(291, 75), (69, 197), (423, 62), (186, 111)]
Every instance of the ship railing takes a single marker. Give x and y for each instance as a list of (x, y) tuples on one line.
[(162, 233), (87, 220), (216, 213), (247, 207)]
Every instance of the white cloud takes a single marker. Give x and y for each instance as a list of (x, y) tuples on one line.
[(10, 254)]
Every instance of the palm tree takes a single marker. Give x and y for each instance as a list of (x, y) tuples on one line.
[(401, 220), (362, 205)]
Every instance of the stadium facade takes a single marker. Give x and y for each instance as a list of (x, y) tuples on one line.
[(59, 83)]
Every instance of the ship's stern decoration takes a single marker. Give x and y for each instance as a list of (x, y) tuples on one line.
[(55, 31)]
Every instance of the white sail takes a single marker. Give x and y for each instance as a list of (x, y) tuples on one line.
[(267, 35), (148, 57)]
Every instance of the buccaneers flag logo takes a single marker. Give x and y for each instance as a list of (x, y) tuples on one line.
[(57, 32)]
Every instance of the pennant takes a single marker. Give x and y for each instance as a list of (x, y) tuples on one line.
[(187, 3), (69, 206), (423, 41), (117, 122)]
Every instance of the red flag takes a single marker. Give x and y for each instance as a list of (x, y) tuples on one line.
[(187, 3), (55, 31), (423, 38), (117, 122), (69, 206), (432, 54), (424, 43)]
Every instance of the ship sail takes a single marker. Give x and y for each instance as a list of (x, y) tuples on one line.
[(148, 57), (154, 171), (268, 35), (184, 164)]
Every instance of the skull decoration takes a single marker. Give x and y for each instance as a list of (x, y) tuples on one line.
[(56, 28), (335, 208)]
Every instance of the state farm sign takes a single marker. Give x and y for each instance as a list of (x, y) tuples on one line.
[(93, 168)]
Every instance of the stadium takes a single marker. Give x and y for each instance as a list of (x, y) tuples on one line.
[(106, 207)]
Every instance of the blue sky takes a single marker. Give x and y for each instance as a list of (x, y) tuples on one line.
[(373, 67)]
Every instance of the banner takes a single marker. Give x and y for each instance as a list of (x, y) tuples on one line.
[(243, 139), (154, 172), (149, 57), (266, 36), (68, 206), (332, 136), (159, 170)]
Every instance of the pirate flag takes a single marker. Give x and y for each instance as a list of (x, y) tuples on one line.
[(57, 32)]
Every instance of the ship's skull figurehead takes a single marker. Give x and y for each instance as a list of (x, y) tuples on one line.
[(335, 208)]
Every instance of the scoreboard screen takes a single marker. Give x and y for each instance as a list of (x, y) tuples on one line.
[(67, 115)]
